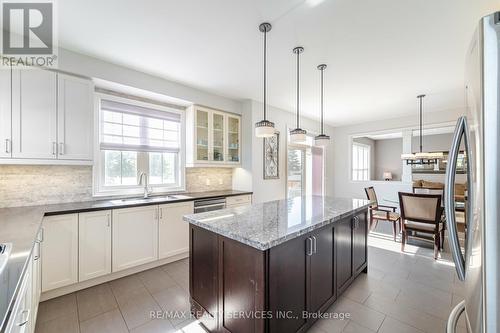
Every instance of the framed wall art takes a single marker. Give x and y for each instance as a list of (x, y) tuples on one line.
[(271, 157)]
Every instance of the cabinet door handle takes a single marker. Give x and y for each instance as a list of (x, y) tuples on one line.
[(54, 148), (41, 234), (7, 146), (161, 213), (108, 222), (309, 246), (315, 244), (24, 319), (61, 148), (37, 245)]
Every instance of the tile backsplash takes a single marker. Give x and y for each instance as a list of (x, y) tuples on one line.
[(25, 185)]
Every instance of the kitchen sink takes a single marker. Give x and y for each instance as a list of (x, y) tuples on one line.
[(149, 199)]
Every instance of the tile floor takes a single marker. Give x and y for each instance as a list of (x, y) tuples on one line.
[(402, 292)]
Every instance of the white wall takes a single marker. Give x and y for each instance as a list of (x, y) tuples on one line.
[(342, 185), (252, 169), (388, 158), (95, 68)]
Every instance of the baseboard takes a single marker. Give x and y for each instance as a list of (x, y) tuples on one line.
[(106, 278)]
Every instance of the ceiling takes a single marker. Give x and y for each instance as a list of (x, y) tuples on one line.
[(380, 54)]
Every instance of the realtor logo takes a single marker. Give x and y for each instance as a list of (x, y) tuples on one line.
[(28, 37)]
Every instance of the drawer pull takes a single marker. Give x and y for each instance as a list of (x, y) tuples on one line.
[(25, 314)]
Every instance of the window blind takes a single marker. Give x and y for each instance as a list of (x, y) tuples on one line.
[(128, 127)]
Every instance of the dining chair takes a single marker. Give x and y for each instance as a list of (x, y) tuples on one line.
[(382, 212), (421, 213)]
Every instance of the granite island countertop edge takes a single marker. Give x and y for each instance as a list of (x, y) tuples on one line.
[(268, 245)]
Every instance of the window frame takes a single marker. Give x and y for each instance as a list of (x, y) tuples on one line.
[(101, 190), (354, 143)]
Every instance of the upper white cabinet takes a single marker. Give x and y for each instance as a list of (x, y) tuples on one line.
[(94, 244), (135, 236), (59, 251), (45, 117), (173, 231), (74, 117), (34, 116), (5, 114), (213, 137)]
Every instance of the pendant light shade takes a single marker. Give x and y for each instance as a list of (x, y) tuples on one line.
[(298, 135), (322, 139), (264, 128)]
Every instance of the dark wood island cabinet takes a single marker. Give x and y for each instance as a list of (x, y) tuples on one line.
[(273, 267)]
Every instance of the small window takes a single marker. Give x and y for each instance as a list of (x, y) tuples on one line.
[(360, 161), (134, 138)]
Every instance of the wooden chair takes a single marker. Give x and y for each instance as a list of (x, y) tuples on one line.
[(421, 213), (381, 212)]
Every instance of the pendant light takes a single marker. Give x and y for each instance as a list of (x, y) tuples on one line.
[(298, 135), (322, 139), (422, 157), (264, 128)]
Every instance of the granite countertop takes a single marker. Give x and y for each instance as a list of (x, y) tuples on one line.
[(19, 227), (269, 224)]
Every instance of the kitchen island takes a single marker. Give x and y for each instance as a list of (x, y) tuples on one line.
[(274, 266)]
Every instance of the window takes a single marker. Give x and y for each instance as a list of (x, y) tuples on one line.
[(305, 164), (134, 138), (360, 161)]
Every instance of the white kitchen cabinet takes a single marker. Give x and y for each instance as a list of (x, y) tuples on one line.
[(233, 151), (5, 114), (173, 231), (135, 236), (34, 114), (36, 278), (59, 253), (21, 320), (74, 117), (94, 244), (238, 201), (212, 137)]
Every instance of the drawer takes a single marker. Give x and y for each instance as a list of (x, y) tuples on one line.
[(238, 200)]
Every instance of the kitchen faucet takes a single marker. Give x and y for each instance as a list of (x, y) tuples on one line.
[(147, 189)]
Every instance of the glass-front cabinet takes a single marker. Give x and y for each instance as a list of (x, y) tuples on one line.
[(218, 137), (202, 135), (233, 139), (212, 137)]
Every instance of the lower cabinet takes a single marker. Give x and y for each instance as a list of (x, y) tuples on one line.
[(291, 283), (36, 278), (173, 232), (343, 243), (322, 287), (21, 317), (59, 251), (310, 261), (351, 241), (359, 242), (94, 244), (135, 236)]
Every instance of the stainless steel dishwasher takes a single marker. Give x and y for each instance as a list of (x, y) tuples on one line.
[(207, 205)]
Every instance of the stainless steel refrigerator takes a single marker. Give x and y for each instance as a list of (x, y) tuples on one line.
[(477, 261)]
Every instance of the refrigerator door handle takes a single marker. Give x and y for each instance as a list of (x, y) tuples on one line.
[(451, 325), (449, 195)]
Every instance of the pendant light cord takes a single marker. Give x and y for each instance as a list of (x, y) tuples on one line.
[(265, 71), (298, 100), (420, 97), (322, 129)]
